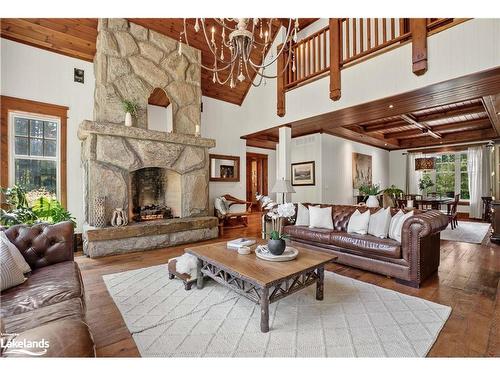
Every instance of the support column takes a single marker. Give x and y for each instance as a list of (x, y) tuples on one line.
[(284, 158), (280, 83), (335, 42), (419, 45)]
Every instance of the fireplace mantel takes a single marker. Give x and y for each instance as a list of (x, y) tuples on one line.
[(88, 127)]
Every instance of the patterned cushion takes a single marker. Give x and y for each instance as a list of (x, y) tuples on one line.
[(10, 274)]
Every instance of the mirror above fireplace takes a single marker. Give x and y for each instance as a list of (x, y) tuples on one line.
[(224, 168)]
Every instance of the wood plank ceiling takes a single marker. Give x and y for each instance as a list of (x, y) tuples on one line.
[(463, 109), (76, 37)]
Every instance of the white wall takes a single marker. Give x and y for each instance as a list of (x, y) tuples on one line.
[(304, 149), (35, 74)]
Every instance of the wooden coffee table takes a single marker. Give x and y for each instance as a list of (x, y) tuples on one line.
[(258, 280)]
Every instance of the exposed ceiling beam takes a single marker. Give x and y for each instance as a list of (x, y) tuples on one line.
[(476, 108), (455, 137), (492, 106), (383, 126), (424, 128), (456, 126)]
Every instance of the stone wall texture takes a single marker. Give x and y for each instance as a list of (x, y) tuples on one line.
[(131, 61)]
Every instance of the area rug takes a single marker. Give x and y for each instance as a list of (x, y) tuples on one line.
[(466, 231), (355, 319)]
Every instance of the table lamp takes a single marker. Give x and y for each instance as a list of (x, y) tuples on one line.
[(283, 186)]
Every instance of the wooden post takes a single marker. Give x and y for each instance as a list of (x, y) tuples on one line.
[(335, 43), (264, 310), (281, 110), (418, 27), (199, 274), (320, 283)]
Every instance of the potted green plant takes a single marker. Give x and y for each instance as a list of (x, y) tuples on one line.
[(425, 183), (371, 191), (393, 193), (130, 109)]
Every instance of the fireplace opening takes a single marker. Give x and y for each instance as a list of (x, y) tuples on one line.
[(155, 194)]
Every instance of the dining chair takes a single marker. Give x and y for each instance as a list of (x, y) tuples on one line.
[(452, 212)]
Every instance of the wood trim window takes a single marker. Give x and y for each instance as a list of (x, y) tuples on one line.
[(32, 109)]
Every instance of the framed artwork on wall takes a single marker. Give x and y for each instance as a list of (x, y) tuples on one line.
[(303, 174), (361, 170)]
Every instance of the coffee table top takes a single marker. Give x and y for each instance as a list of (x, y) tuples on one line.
[(253, 269)]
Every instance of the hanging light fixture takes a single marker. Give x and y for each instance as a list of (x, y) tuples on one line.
[(233, 48), (425, 164)]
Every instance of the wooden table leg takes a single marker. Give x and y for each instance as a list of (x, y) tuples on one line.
[(264, 310), (199, 274), (320, 283)]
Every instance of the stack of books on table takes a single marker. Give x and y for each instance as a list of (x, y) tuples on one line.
[(240, 242)]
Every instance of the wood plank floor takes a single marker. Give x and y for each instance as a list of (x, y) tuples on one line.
[(468, 281)]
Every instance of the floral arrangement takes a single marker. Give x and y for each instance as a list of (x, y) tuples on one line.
[(368, 189), (277, 213)]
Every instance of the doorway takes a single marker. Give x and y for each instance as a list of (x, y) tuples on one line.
[(256, 177)]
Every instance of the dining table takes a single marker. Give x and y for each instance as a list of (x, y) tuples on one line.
[(434, 203)]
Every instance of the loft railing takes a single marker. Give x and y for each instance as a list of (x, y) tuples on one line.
[(358, 38)]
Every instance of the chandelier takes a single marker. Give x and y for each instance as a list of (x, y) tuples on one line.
[(233, 41)]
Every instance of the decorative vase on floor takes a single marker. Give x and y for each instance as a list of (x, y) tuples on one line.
[(372, 201), (276, 247), (99, 212), (128, 119), (119, 218)]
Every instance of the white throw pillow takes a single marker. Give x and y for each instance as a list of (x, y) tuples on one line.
[(358, 222), (380, 222), (394, 223), (10, 274), (16, 254), (320, 217), (302, 215), (399, 228)]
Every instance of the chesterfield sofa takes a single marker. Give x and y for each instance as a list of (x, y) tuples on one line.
[(50, 304), (409, 262)]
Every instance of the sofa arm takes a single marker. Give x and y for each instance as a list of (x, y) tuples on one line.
[(43, 244), (420, 243)]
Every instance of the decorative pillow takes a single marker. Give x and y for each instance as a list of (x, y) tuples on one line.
[(379, 223), (225, 204), (399, 227), (10, 274), (320, 217), (220, 206), (16, 254), (302, 214), (358, 222), (394, 222)]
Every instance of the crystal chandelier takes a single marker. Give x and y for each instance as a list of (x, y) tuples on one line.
[(232, 41)]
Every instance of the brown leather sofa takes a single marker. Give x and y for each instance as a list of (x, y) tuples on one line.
[(49, 305), (409, 262)]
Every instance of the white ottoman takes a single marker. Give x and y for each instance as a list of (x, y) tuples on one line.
[(184, 268)]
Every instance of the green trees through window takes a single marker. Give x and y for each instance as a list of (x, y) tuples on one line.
[(450, 176)]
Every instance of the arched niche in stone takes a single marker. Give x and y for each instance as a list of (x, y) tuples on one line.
[(159, 111)]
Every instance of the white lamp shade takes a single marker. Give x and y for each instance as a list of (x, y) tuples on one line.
[(282, 186)]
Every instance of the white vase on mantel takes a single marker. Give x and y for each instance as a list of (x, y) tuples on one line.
[(372, 201), (128, 119)]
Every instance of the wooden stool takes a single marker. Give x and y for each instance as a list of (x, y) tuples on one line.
[(184, 277)]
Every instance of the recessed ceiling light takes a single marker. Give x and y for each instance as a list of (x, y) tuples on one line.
[(385, 144), (391, 106)]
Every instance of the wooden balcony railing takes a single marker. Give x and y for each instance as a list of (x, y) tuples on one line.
[(356, 39)]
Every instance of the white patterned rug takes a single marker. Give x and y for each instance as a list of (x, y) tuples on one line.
[(355, 319), (466, 231)]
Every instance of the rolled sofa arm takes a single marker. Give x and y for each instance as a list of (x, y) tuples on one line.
[(43, 244), (425, 223)]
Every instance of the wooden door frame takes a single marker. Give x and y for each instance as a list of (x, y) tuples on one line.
[(10, 104), (265, 159)]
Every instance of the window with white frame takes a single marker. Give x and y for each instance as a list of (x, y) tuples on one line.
[(34, 152), (450, 176)]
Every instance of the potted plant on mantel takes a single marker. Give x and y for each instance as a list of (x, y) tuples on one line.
[(277, 212), (130, 109), (371, 191)]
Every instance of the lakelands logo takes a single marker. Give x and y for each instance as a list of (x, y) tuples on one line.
[(28, 347)]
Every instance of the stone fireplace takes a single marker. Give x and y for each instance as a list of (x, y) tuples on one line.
[(159, 178)]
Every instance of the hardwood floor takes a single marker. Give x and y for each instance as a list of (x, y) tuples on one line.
[(468, 280)]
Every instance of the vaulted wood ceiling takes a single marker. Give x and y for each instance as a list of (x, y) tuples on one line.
[(463, 109), (76, 37)]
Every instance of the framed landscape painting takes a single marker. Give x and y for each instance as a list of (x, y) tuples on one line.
[(303, 174), (361, 170)]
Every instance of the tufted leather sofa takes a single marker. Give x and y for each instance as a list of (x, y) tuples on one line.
[(410, 262), (50, 304)]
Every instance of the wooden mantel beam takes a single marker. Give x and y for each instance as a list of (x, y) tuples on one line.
[(418, 28)]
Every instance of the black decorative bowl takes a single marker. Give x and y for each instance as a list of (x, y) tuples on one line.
[(276, 247)]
